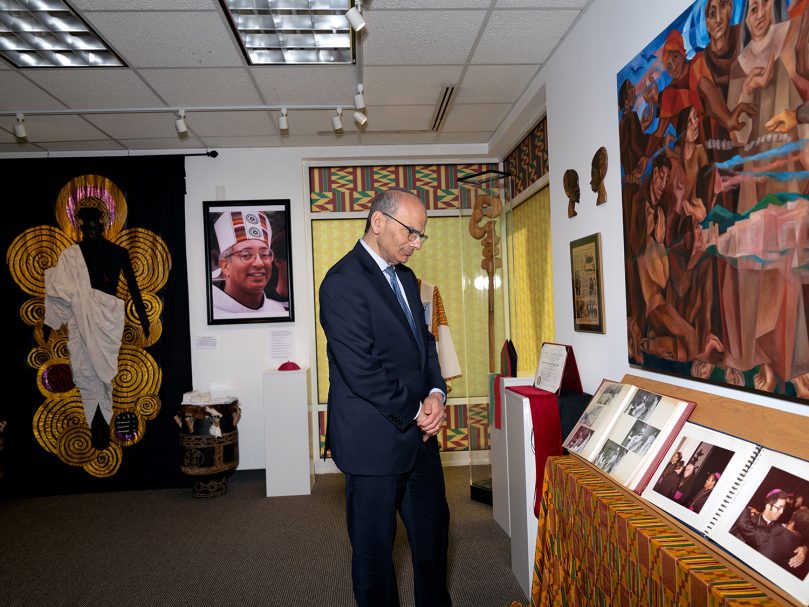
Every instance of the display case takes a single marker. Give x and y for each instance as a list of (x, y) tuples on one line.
[(483, 197)]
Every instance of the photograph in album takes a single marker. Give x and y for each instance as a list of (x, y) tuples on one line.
[(625, 429), (598, 417), (697, 472), (749, 500), (766, 522)]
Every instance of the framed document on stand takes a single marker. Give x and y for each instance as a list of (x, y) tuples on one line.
[(557, 369)]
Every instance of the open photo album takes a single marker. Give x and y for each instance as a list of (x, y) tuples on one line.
[(625, 431), (750, 500)]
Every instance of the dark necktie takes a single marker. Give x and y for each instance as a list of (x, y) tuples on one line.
[(394, 282)]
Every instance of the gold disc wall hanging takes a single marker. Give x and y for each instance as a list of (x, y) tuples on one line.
[(60, 423)]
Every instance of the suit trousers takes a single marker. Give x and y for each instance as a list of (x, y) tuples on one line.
[(371, 506)]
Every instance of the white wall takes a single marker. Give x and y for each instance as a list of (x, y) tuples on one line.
[(249, 174), (579, 86)]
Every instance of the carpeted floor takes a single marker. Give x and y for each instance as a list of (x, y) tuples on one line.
[(168, 548)]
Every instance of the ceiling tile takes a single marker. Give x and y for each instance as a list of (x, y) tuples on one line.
[(6, 132), (229, 124), (542, 3), (495, 83), (17, 148), (326, 139), (136, 126), (480, 117), (383, 85), (85, 145), (465, 137), (57, 128), (307, 85), (171, 143), (184, 55), (399, 118), (144, 5), (420, 37), (314, 122), (205, 86), (399, 138), (431, 4), (243, 142), (511, 36), (96, 88), (18, 93), (168, 39)]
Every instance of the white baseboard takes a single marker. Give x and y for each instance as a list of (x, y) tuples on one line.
[(450, 458)]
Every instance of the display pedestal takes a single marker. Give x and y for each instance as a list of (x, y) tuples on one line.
[(499, 456), (522, 470), (290, 468)]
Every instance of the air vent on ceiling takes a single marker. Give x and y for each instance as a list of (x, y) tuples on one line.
[(442, 108)]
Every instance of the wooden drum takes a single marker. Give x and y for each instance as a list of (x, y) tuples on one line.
[(209, 441)]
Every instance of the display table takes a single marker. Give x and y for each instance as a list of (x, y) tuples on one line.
[(597, 545), (290, 468)]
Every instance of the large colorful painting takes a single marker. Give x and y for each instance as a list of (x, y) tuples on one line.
[(714, 171)]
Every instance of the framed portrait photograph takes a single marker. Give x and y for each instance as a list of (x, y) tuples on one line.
[(248, 261), (588, 291)]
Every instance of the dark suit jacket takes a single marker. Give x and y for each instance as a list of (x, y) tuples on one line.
[(378, 370)]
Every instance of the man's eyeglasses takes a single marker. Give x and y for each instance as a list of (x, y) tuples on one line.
[(412, 233), (248, 255)]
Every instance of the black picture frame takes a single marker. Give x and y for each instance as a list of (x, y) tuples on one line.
[(587, 284), (278, 302)]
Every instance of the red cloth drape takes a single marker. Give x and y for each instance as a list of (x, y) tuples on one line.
[(498, 406), (547, 431)]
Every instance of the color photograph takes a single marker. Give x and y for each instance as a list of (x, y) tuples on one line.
[(248, 261)]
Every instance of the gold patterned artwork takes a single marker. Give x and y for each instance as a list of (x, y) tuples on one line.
[(59, 423)]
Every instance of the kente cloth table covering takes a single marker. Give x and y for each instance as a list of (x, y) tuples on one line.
[(596, 546)]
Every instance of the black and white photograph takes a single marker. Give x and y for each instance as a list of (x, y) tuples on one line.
[(591, 415), (610, 456), (610, 392), (248, 261), (579, 439), (640, 437), (642, 404)]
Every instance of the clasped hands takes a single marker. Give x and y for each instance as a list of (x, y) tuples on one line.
[(432, 415)]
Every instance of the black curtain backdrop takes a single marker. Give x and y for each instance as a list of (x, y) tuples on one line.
[(154, 188)]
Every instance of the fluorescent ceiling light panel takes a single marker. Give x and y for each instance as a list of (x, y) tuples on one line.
[(47, 33), (276, 32)]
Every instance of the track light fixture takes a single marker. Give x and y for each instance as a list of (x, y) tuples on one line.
[(180, 124), (359, 98), (283, 121), (337, 120), (19, 128), (355, 18), (360, 118)]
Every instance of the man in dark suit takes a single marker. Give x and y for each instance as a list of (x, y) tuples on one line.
[(386, 404)]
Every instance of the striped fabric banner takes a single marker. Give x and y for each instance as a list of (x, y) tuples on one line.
[(529, 160), (345, 189)]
